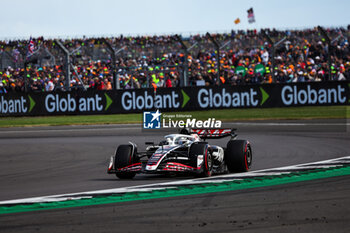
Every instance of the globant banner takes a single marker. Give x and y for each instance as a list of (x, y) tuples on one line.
[(174, 99)]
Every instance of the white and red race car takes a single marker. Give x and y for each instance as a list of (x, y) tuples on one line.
[(186, 152)]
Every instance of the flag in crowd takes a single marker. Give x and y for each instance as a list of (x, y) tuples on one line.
[(251, 18), (31, 47), (237, 21)]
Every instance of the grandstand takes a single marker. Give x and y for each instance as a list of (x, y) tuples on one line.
[(236, 58)]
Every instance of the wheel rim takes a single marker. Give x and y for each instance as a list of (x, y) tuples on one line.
[(209, 161), (249, 157)]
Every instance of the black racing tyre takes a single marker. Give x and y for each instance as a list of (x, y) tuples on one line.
[(238, 156), (202, 149), (123, 158)]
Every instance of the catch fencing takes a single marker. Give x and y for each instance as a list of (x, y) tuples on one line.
[(145, 59)]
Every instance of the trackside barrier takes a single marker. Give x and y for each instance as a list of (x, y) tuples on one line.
[(174, 99)]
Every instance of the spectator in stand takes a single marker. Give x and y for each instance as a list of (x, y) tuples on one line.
[(168, 82), (2, 89), (49, 86)]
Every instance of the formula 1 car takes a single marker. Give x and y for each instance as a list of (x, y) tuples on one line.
[(186, 153)]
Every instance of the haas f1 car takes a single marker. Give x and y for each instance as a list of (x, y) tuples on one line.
[(186, 153)]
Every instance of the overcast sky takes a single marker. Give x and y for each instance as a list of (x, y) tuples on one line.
[(73, 18)]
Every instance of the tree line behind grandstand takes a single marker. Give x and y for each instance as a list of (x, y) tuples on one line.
[(245, 57)]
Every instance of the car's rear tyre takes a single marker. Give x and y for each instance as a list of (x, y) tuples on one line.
[(238, 156), (124, 156), (207, 165)]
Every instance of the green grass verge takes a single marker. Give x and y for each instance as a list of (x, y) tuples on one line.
[(330, 112)]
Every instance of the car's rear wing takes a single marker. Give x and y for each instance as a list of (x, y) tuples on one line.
[(211, 133)]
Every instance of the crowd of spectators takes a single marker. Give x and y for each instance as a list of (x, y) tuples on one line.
[(160, 61)]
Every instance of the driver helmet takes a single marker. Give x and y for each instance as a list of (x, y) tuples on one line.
[(196, 137)]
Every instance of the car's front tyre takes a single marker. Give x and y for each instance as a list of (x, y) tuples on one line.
[(124, 157)]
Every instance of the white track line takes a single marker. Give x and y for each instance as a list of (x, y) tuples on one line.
[(172, 184), (68, 130), (291, 124), (138, 126)]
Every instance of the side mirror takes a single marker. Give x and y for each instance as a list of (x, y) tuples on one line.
[(149, 143)]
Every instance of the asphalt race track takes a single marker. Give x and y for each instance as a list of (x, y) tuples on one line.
[(43, 161)]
